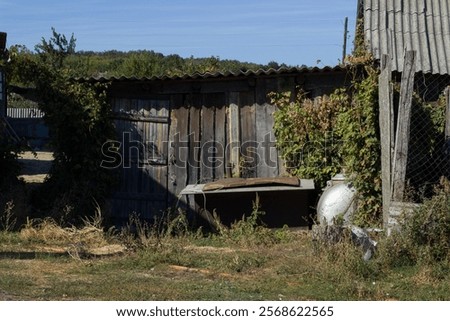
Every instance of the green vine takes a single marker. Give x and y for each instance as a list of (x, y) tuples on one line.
[(360, 148), (334, 133), (306, 134)]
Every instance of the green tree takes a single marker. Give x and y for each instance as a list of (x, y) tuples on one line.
[(56, 49), (77, 114)]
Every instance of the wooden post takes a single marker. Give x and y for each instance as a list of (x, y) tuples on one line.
[(3, 111), (447, 129), (344, 49), (447, 114), (385, 92), (403, 126)]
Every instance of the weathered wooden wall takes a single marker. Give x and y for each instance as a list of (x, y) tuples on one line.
[(197, 131)]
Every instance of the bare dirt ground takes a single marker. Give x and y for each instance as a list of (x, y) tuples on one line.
[(35, 167)]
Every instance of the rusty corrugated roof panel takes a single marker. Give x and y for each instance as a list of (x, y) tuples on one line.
[(226, 74), (393, 26)]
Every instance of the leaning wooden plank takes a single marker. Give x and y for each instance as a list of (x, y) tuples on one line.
[(403, 126), (385, 120), (244, 182)]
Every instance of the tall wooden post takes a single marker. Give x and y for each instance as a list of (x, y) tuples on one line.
[(385, 93), (447, 114), (344, 49), (447, 129), (403, 126), (2, 75)]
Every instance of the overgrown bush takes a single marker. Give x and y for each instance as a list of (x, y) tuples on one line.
[(423, 238), (306, 133), (78, 117)]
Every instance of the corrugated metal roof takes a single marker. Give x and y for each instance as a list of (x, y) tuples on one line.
[(393, 26), (227, 74)]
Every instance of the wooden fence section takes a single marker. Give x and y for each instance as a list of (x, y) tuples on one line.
[(24, 113)]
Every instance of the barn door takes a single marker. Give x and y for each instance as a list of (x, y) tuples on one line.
[(143, 129)]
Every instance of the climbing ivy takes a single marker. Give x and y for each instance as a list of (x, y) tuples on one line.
[(358, 128), (336, 133), (305, 131)]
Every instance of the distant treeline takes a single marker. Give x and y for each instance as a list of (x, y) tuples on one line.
[(147, 63)]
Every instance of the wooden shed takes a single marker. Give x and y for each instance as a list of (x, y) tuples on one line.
[(175, 131)]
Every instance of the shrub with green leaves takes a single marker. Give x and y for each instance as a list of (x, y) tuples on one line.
[(424, 237), (339, 132), (78, 117)]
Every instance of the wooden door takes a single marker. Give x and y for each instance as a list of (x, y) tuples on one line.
[(142, 128)]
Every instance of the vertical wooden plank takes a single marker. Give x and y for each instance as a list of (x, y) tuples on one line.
[(272, 156), (234, 140), (195, 102), (207, 141), (447, 113), (249, 152), (403, 127), (385, 121), (221, 142), (171, 152), (178, 153), (267, 152), (3, 106), (261, 132), (447, 130), (194, 139)]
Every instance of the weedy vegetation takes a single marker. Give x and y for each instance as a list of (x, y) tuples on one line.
[(168, 260)]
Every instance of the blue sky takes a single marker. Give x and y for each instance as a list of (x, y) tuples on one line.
[(294, 32)]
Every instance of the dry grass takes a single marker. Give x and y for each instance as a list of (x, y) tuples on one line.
[(49, 232), (77, 242), (169, 263), (184, 268)]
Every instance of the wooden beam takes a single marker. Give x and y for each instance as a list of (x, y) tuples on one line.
[(403, 126), (385, 93)]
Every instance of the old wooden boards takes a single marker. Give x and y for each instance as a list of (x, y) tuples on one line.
[(170, 141), (142, 127)]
